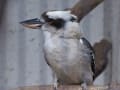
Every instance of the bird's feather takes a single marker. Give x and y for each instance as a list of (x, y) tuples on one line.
[(92, 53)]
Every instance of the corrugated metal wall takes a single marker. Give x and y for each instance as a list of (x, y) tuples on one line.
[(21, 57)]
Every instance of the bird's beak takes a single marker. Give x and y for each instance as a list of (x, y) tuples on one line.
[(33, 23)]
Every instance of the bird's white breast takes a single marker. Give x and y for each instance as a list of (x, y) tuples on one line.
[(66, 58), (61, 49)]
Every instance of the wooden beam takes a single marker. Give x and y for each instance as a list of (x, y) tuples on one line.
[(83, 7), (73, 87)]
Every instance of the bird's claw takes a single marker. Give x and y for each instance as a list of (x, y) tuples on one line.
[(55, 86), (84, 86)]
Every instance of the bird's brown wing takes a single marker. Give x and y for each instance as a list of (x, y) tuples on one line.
[(101, 52)]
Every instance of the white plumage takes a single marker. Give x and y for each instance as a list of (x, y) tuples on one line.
[(67, 52), (66, 15)]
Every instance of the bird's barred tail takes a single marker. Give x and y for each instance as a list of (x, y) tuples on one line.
[(101, 49)]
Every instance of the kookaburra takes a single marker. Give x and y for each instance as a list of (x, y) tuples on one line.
[(66, 51)]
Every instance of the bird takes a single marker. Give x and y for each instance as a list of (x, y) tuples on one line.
[(68, 53)]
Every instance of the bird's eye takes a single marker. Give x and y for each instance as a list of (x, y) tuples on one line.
[(45, 17), (58, 23), (73, 19)]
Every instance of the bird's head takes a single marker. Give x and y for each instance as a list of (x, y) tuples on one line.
[(63, 23)]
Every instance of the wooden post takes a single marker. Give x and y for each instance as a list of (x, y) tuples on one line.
[(83, 7), (50, 87)]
